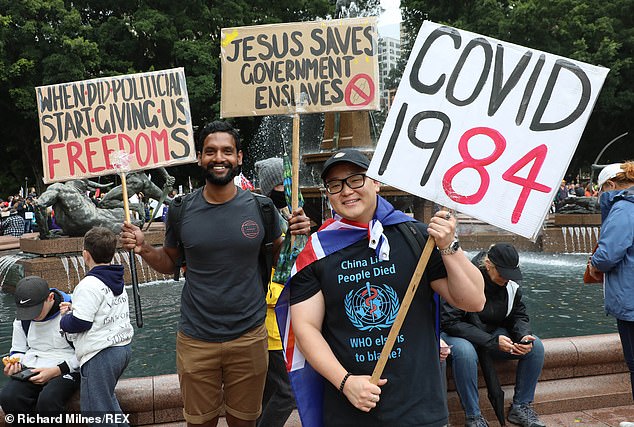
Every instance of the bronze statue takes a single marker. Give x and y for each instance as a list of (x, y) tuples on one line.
[(138, 182), (75, 213)]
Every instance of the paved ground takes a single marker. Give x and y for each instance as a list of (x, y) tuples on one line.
[(604, 417)]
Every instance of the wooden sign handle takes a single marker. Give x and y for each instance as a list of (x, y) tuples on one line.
[(135, 281), (295, 168), (124, 194), (402, 312)]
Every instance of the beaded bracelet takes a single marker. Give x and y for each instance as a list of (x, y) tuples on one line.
[(343, 382)]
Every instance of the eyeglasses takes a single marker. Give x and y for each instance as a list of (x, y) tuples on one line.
[(353, 181)]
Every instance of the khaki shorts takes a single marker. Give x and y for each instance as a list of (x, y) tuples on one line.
[(232, 372)]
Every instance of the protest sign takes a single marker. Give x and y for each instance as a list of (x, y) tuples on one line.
[(145, 115), (484, 126), (300, 67)]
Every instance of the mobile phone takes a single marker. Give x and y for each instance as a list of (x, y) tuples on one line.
[(23, 375), (524, 342)]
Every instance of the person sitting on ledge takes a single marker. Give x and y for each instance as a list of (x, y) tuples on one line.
[(38, 345), (500, 331)]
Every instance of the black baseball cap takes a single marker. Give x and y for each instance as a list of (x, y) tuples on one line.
[(30, 294), (506, 260), (347, 155)]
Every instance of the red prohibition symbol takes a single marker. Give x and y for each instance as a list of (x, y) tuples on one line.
[(362, 92)]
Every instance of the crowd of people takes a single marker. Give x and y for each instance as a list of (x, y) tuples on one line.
[(17, 214), (346, 287), (568, 190)]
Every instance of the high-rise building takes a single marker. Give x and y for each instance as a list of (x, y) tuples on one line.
[(389, 54)]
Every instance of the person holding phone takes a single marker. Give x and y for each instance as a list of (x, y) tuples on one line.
[(500, 331), (42, 365)]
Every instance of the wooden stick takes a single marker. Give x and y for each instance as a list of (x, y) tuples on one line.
[(295, 167), (295, 162), (135, 281), (402, 312)]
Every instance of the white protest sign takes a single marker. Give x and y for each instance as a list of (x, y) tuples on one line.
[(485, 127)]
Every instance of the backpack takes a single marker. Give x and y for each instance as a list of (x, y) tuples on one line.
[(414, 238), (268, 214)]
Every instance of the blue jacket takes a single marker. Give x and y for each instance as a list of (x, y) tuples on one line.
[(615, 254)]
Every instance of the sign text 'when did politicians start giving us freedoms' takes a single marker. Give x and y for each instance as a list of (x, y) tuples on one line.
[(144, 115)]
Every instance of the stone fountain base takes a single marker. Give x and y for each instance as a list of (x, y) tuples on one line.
[(60, 263)]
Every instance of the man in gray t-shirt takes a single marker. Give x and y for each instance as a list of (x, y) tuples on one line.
[(235, 303), (221, 348)]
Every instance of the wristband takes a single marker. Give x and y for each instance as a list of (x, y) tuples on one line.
[(343, 381)]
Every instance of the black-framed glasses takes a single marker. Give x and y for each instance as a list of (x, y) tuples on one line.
[(353, 181)]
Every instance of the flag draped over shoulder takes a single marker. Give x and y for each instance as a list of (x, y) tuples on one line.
[(334, 235)]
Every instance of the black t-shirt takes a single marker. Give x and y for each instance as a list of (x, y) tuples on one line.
[(223, 296), (362, 297)]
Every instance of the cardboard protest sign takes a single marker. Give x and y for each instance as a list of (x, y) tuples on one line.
[(485, 127), (83, 123), (305, 67)]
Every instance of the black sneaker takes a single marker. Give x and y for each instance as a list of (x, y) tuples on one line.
[(476, 421), (524, 416)]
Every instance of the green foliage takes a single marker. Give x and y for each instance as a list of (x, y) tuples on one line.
[(46, 42), (599, 33)]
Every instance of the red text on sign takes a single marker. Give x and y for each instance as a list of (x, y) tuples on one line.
[(528, 184)]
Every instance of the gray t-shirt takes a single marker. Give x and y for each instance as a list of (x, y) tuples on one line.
[(223, 296)]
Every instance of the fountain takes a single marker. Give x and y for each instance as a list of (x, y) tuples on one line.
[(59, 261)]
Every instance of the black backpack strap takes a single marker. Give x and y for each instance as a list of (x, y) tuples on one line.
[(414, 237), (26, 324), (268, 214), (175, 218)]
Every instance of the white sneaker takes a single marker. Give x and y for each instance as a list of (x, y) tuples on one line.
[(626, 424)]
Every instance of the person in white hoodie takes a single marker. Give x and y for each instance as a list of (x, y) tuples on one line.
[(99, 324), (38, 346)]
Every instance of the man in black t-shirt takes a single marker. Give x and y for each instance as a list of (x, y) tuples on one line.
[(343, 304), (221, 346)]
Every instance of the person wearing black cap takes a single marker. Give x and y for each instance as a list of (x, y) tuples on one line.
[(503, 330), (38, 346), (352, 279)]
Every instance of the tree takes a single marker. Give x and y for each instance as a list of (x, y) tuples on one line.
[(56, 41), (600, 33)]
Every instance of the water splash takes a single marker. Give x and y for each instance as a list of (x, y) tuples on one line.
[(6, 262), (577, 231), (564, 231), (64, 261), (83, 264), (581, 239), (274, 137), (139, 261), (76, 266)]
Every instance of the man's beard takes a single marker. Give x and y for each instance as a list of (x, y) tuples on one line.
[(211, 178)]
